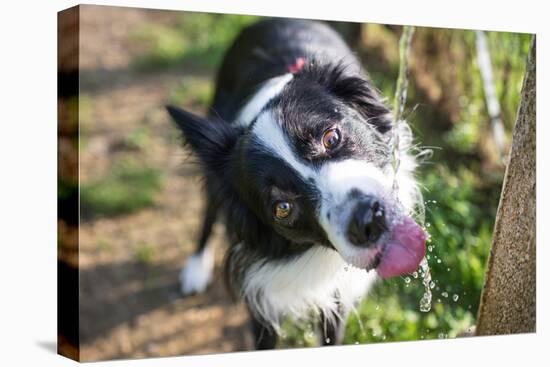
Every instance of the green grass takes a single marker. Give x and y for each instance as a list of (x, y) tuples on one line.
[(194, 92), (198, 39), (138, 138), (104, 246), (126, 189), (305, 334), (144, 253), (165, 46)]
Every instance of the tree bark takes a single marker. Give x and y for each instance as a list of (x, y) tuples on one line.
[(508, 300)]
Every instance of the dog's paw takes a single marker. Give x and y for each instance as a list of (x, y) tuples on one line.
[(196, 273)]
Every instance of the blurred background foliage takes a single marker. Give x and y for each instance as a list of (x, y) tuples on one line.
[(199, 39), (448, 114), (127, 187)]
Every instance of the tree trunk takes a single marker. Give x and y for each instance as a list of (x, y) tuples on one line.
[(508, 300)]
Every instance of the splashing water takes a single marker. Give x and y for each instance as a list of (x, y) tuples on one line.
[(399, 105), (426, 300)]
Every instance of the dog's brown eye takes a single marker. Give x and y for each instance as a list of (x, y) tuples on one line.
[(331, 138), (282, 209)]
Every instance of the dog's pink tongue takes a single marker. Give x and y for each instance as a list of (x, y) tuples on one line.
[(404, 251)]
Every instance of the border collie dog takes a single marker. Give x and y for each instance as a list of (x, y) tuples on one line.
[(298, 157)]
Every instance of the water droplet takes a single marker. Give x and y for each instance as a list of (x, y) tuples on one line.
[(327, 340), (432, 285), (448, 269), (427, 257), (440, 335), (430, 248), (455, 297), (445, 294), (428, 225), (426, 300), (415, 274), (439, 300), (407, 280)]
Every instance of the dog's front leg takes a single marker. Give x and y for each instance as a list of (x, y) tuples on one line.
[(332, 329), (264, 336)]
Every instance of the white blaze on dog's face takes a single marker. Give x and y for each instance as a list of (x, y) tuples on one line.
[(353, 192)]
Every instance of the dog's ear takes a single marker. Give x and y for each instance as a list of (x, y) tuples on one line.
[(363, 96), (212, 140)]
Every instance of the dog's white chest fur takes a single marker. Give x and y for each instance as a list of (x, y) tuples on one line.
[(314, 280)]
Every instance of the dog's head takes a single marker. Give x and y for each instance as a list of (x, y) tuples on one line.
[(310, 158)]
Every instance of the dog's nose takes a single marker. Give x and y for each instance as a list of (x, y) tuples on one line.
[(367, 222)]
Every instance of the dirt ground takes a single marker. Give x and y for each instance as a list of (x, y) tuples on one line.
[(130, 307)]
